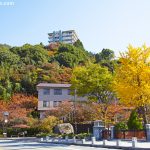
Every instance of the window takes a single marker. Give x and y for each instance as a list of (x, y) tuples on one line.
[(69, 92), (57, 91), (46, 91), (59, 102), (56, 103), (45, 103)]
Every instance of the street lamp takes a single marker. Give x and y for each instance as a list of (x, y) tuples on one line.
[(5, 116)]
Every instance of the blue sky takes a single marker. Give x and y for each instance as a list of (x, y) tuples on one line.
[(112, 24)]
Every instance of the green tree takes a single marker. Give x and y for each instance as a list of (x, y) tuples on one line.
[(31, 54), (67, 59), (70, 56), (121, 126), (8, 57), (29, 80), (105, 54), (6, 83), (78, 44), (106, 58), (94, 81), (134, 121)]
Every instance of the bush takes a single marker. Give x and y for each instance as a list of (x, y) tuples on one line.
[(83, 135), (1, 131), (39, 135), (47, 124), (32, 131), (134, 122), (11, 131), (29, 131), (121, 126), (70, 136)]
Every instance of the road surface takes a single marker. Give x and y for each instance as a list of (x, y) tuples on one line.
[(33, 145)]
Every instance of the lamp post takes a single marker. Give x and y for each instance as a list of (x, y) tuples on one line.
[(5, 116)]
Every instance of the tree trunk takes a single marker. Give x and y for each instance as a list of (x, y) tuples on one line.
[(104, 114)]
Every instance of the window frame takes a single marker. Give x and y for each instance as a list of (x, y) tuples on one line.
[(46, 104), (56, 91), (46, 91)]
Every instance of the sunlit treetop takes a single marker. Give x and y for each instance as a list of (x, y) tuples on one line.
[(132, 78)]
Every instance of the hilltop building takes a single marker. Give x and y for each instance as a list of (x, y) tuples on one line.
[(68, 37)]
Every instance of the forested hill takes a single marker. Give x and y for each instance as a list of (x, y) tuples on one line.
[(22, 68)]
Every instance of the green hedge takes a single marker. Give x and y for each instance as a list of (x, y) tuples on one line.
[(121, 126), (14, 132)]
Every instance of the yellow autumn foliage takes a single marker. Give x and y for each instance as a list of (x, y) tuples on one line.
[(132, 78)]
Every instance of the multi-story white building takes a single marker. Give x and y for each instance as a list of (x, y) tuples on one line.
[(68, 37), (51, 95)]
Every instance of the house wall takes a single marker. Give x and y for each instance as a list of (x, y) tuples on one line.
[(54, 99)]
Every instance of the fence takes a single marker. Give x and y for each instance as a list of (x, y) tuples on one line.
[(83, 128), (128, 134)]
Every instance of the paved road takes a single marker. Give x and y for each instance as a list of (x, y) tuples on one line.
[(32, 145)]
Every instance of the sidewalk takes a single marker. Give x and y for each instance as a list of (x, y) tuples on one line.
[(127, 145)]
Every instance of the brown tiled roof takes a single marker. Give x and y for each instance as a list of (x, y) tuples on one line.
[(53, 85)]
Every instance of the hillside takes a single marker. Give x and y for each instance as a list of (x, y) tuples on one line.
[(22, 68)]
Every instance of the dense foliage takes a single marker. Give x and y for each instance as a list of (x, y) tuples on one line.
[(134, 122), (121, 126), (95, 82), (114, 87), (133, 74), (100, 77), (70, 56), (22, 68)]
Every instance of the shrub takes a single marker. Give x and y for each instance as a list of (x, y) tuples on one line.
[(83, 135), (39, 135), (11, 131), (134, 122), (32, 131), (47, 124), (121, 126)]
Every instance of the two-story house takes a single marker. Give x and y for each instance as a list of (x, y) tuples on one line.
[(50, 95)]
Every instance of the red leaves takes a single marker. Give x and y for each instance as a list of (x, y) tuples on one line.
[(19, 106)]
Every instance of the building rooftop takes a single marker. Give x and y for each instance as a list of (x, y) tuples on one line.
[(53, 85)]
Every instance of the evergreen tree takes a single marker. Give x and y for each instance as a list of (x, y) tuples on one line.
[(134, 121)]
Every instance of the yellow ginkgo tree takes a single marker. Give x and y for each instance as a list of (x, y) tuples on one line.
[(132, 78)]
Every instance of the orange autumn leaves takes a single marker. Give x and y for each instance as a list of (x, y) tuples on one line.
[(18, 107)]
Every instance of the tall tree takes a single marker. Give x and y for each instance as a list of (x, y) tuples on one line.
[(78, 44), (70, 56), (94, 81), (105, 54), (132, 79), (31, 54), (106, 58)]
